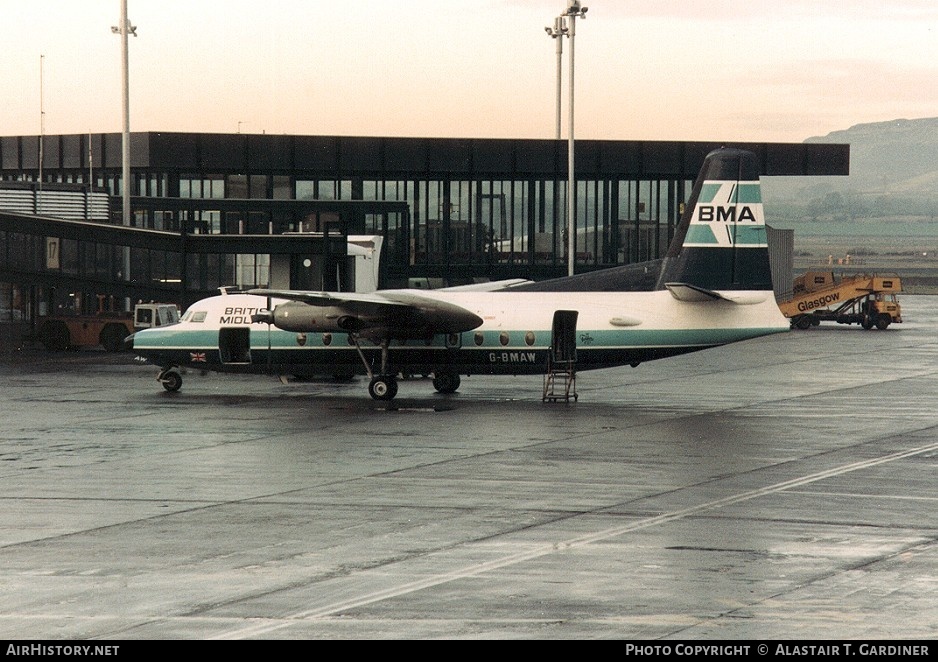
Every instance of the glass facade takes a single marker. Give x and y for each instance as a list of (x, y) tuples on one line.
[(475, 227), (474, 208), (494, 224)]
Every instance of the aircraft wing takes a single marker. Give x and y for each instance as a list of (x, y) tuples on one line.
[(492, 286), (389, 313), (362, 302)]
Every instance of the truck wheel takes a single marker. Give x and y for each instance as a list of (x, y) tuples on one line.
[(54, 336), (112, 337), (803, 322), (867, 322), (883, 322)]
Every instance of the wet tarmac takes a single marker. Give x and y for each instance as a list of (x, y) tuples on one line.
[(779, 488)]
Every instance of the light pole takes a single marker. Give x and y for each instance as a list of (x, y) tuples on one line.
[(125, 29), (557, 32), (42, 134), (574, 10)]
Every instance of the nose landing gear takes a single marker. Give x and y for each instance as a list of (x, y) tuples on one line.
[(170, 379)]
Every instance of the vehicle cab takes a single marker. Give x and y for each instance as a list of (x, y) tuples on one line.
[(150, 315)]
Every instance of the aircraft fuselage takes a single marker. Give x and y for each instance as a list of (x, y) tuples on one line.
[(515, 336)]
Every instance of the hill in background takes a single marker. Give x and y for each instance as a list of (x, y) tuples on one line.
[(884, 215), (899, 155), (893, 176), (893, 173)]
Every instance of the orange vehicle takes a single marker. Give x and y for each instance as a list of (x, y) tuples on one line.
[(820, 296), (108, 329)]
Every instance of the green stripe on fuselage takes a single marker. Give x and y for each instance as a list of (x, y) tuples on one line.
[(160, 340)]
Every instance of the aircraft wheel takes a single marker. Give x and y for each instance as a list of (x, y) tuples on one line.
[(382, 388), (446, 382), (171, 381)]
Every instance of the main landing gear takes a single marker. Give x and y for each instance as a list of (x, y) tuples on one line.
[(383, 386), (446, 382)]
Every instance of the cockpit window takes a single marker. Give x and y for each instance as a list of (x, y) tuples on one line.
[(199, 315)]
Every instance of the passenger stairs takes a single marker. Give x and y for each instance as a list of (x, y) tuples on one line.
[(560, 378), (560, 381)]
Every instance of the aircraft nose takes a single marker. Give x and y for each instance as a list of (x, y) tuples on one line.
[(129, 342)]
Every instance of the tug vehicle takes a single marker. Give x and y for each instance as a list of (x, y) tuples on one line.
[(105, 328)]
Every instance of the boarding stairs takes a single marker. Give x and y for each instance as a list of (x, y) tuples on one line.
[(560, 381), (560, 377)]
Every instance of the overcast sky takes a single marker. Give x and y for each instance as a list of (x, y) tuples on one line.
[(735, 70)]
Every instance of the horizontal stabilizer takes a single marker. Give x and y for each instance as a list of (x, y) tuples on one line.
[(692, 293)]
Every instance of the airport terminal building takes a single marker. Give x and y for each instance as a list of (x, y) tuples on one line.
[(451, 210)]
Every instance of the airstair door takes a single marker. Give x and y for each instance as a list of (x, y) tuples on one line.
[(560, 378), (563, 336), (234, 344)]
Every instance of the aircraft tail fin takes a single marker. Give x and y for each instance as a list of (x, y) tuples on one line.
[(720, 242)]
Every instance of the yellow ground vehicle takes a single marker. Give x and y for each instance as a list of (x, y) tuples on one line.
[(107, 329), (820, 296)]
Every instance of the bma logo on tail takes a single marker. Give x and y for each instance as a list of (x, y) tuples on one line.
[(728, 214)]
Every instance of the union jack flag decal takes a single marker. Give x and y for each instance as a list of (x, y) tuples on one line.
[(197, 357)]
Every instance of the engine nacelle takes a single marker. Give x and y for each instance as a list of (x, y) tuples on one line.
[(301, 317)]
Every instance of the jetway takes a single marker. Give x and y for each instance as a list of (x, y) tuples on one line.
[(56, 266)]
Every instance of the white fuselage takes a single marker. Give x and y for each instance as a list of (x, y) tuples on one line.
[(612, 328)]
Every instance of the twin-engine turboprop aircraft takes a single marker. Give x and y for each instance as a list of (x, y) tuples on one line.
[(714, 287)]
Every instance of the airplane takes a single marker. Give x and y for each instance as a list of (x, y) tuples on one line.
[(712, 288)]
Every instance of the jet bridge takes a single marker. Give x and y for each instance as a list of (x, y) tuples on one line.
[(55, 266)]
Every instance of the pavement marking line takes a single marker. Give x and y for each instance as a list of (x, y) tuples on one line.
[(573, 543)]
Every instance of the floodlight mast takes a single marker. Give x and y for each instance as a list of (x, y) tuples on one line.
[(42, 133), (574, 10), (557, 33), (124, 30)]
